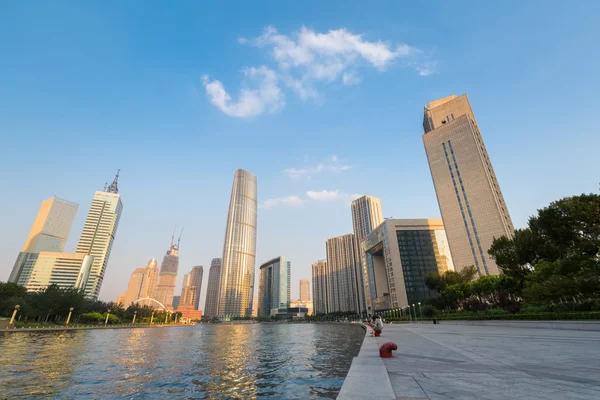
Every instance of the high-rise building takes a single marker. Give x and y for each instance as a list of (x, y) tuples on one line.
[(190, 290), (274, 285), (176, 300), (239, 251), (397, 255), (142, 285), (341, 264), (304, 290), (48, 233), (51, 227), (468, 193), (167, 277), (366, 216), (98, 235), (320, 278), (212, 289)]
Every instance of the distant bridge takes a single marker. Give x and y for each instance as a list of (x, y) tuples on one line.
[(153, 300)]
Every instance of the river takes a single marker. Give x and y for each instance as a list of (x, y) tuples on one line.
[(277, 361)]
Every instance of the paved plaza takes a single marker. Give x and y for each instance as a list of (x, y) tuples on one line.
[(478, 362)]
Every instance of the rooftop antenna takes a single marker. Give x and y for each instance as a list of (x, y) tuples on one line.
[(105, 185), (173, 235), (179, 238), (113, 188)]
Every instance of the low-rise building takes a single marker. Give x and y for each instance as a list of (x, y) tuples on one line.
[(397, 255)]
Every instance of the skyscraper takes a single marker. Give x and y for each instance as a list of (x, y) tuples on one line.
[(98, 235), (320, 277), (274, 285), (239, 251), (212, 289), (142, 284), (190, 290), (304, 290), (51, 227), (167, 277), (468, 193), (366, 216), (49, 232), (341, 265)]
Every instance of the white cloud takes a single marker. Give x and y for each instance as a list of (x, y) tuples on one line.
[(323, 195), (252, 102), (332, 166), (307, 60), (293, 201)]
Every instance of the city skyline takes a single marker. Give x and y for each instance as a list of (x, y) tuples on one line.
[(149, 100)]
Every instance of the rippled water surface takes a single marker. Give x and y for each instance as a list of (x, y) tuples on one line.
[(205, 361)]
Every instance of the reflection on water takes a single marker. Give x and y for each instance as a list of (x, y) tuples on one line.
[(206, 361)]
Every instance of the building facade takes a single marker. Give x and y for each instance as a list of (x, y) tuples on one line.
[(274, 286), (366, 216), (304, 290), (212, 289), (342, 266), (98, 235), (48, 233), (396, 257), (167, 277), (239, 250), (320, 277), (142, 285), (468, 193), (39, 270), (190, 290), (51, 226)]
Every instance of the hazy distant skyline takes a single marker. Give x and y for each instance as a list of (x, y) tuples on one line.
[(323, 101)]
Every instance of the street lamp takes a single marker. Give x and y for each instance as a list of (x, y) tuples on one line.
[(415, 310), (134, 315), (12, 319), (166, 316), (420, 312), (106, 320), (69, 317), (152, 317), (409, 314)]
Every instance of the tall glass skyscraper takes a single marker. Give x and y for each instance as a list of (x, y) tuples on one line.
[(239, 251), (167, 277), (468, 193), (98, 235), (212, 289)]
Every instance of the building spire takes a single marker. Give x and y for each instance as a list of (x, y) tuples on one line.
[(113, 188)]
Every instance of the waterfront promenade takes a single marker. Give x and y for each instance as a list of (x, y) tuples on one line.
[(477, 362)]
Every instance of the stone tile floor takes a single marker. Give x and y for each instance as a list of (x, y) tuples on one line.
[(483, 362)]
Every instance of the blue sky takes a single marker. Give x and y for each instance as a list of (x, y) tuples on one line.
[(321, 100)]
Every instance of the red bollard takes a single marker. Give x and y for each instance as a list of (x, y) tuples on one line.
[(377, 333), (385, 351)]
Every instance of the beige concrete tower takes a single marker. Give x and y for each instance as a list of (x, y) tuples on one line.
[(468, 193), (341, 264), (98, 235), (190, 290), (320, 278), (366, 216), (304, 290), (167, 277), (48, 233), (142, 284), (212, 289)]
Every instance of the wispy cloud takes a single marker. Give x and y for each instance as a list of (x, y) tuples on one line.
[(310, 197), (294, 201), (323, 195), (330, 166), (266, 95), (306, 61)]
